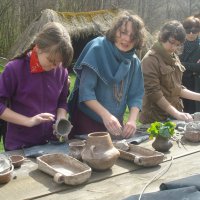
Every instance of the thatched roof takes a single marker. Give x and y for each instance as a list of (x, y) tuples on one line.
[(82, 27), (83, 24), (79, 25), (197, 15)]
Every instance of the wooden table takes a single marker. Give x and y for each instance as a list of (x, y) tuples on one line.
[(123, 180)]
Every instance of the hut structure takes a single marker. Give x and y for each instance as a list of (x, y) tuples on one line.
[(197, 15), (82, 27)]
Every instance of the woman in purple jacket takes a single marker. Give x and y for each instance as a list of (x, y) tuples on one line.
[(35, 86)]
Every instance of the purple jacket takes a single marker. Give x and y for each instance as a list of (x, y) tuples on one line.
[(30, 94)]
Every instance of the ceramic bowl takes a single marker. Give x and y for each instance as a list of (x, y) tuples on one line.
[(17, 160), (64, 168), (5, 164), (192, 131), (142, 156), (7, 176), (75, 149), (63, 127)]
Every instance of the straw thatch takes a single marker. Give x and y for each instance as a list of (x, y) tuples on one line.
[(197, 15), (82, 27)]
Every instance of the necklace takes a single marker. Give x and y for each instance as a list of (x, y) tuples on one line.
[(118, 93)]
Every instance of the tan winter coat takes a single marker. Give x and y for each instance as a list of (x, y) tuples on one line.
[(162, 83)]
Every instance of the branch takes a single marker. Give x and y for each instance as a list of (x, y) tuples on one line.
[(5, 8)]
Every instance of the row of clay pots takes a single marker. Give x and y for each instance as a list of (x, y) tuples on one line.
[(100, 154)]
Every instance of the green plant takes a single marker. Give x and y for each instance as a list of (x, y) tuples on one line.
[(165, 130), (3, 62)]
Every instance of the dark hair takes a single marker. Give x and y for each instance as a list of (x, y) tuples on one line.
[(137, 24), (54, 39), (173, 29), (192, 22)]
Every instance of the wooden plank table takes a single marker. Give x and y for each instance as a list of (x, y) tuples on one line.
[(124, 179)]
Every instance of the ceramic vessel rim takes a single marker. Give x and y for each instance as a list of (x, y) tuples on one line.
[(8, 172), (19, 158), (77, 143), (65, 123), (62, 120), (99, 134)]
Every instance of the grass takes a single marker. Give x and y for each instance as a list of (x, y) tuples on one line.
[(3, 61), (1, 68), (1, 147), (72, 80)]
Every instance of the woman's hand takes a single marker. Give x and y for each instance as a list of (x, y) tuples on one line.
[(110, 121), (129, 129), (40, 118), (179, 115), (184, 116), (16, 118), (112, 124)]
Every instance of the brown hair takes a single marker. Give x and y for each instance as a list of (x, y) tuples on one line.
[(192, 22), (173, 29), (137, 24), (54, 39)]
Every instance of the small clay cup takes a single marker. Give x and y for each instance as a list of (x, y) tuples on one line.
[(63, 127), (17, 160), (7, 176), (76, 148)]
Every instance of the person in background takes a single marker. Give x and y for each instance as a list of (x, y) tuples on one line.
[(163, 72), (35, 86), (109, 78), (190, 58)]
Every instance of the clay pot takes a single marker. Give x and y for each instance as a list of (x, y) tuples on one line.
[(75, 149), (17, 160), (7, 176), (5, 164), (162, 144), (64, 168), (62, 127), (192, 131), (99, 152), (196, 116)]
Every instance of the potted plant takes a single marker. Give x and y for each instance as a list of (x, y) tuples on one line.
[(162, 132)]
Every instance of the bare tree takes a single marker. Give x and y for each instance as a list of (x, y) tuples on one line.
[(16, 15)]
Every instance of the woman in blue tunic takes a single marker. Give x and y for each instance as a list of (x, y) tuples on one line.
[(109, 79)]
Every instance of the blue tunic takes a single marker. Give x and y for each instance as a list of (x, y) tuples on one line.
[(100, 67)]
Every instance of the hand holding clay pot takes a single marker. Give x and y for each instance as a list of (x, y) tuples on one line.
[(62, 128)]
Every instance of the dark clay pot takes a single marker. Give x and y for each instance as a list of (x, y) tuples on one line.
[(162, 144)]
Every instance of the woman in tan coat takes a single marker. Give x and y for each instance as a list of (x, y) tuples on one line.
[(163, 72)]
